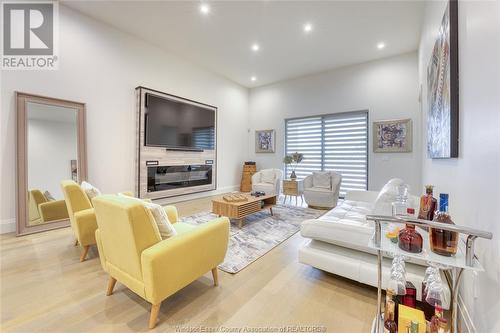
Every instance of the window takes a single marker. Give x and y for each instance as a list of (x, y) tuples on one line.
[(336, 142)]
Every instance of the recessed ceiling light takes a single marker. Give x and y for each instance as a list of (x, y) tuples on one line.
[(255, 47), (380, 45), (253, 78), (204, 8), (308, 27)]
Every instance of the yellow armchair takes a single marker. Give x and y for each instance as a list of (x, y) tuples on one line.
[(81, 215), (43, 210), (132, 252)]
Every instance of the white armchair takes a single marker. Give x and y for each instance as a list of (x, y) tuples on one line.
[(268, 181), (321, 189)]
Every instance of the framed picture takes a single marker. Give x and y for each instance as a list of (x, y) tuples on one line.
[(265, 141), (442, 88), (393, 136)]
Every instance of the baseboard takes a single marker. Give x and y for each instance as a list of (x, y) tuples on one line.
[(7, 225), (199, 195), (464, 319)]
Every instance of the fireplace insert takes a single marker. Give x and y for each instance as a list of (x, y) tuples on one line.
[(161, 178)]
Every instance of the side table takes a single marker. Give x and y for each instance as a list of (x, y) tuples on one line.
[(294, 188)]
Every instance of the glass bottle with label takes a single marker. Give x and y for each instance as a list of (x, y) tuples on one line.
[(390, 325), (438, 315), (410, 240)]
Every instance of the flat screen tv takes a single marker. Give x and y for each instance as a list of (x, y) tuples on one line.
[(179, 124)]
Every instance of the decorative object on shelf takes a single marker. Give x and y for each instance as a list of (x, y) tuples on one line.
[(443, 242), (235, 198), (428, 204), (410, 240), (434, 322), (443, 202), (442, 88), (393, 136), (249, 169), (293, 160), (74, 170), (265, 141)]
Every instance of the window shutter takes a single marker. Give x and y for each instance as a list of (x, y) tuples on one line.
[(337, 142)]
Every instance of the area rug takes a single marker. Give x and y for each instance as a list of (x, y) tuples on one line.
[(260, 233)]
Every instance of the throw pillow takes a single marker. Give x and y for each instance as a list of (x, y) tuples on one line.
[(322, 180), (161, 218), (49, 196), (267, 176), (90, 190), (386, 196)]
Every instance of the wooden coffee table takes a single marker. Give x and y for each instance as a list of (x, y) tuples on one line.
[(240, 210)]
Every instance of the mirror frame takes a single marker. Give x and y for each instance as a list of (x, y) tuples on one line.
[(21, 166)]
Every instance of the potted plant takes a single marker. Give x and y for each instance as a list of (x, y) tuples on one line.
[(293, 160)]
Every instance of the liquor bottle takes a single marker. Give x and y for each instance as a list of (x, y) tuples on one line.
[(410, 298), (389, 294), (428, 204), (390, 325), (443, 242), (410, 240), (435, 320), (443, 325)]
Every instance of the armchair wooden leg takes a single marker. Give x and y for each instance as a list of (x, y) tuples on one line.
[(76, 242), (111, 285), (85, 250), (215, 275), (155, 308)]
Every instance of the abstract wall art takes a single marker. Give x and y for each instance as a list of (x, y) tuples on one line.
[(442, 88), (393, 136), (265, 141)]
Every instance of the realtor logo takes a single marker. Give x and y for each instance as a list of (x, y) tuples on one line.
[(30, 35)]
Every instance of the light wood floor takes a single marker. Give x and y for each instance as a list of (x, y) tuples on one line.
[(44, 288)]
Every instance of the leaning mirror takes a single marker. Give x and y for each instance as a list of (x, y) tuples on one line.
[(51, 148)]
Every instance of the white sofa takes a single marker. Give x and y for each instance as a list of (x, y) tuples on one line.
[(268, 181), (339, 244), (321, 189)]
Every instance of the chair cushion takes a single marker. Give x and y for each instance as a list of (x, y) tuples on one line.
[(90, 190), (49, 196), (318, 189), (263, 187), (268, 176), (161, 218), (386, 196), (322, 180)]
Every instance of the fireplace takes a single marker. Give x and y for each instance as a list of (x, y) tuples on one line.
[(169, 177)]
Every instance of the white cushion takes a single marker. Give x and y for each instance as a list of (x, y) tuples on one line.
[(386, 196), (161, 218), (90, 190), (268, 176), (322, 180), (344, 225), (159, 215)]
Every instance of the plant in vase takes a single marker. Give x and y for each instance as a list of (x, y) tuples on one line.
[(293, 160)]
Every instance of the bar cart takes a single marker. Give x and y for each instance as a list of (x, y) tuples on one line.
[(454, 265)]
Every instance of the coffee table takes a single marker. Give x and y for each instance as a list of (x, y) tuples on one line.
[(240, 210)]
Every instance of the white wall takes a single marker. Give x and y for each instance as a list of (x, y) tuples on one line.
[(472, 180), (101, 67), (51, 147), (388, 88)]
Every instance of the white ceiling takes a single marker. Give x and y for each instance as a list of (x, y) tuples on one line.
[(344, 33)]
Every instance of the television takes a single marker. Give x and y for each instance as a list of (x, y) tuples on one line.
[(179, 124)]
